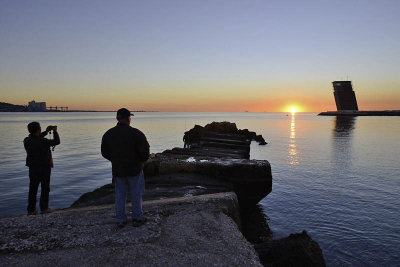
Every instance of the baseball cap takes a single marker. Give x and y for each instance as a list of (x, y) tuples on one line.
[(123, 113)]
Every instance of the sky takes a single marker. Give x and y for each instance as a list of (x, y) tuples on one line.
[(199, 55)]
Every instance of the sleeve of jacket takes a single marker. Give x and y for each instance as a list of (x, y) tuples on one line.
[(26, 146), (104, 148), (55, 141), (143, 148)]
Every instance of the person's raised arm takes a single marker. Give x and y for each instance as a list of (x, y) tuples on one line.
[(43, 134), (48, 129), (56, 140)]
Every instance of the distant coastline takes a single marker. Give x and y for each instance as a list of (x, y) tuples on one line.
[(99, 111), (7, 107)]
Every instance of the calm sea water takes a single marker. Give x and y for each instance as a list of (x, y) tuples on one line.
[(339, 179)]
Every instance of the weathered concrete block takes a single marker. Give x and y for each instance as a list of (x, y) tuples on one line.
[(251, 179)]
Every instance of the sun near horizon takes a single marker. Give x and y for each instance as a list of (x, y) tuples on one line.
[(294, 108)]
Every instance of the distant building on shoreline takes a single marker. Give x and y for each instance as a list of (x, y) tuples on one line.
[(36, 106), (32, 106), (345, 97)]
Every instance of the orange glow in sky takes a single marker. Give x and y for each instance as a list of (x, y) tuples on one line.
[(179, 57)]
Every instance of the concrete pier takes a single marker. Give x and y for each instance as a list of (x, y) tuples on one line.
[(361, 113), (192, 231)]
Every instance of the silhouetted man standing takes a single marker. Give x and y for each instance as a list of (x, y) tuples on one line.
[(127, 149), (40, 161)]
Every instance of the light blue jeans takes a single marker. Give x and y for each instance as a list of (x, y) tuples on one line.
[(136, 188)]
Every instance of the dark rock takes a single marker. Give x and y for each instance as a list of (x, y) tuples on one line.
[(192, 137), (260, 140), (222, 133), (294, 250), (255, 226), (224, 127), (249, 135)]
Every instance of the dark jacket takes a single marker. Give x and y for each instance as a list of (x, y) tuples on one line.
[(127, 148), (38, 152)]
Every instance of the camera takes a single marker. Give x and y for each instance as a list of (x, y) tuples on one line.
[(51, 128)]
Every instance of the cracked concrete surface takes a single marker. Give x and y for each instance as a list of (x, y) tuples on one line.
[(201, 230)]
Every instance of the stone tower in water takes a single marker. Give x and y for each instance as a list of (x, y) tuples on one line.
[(344, 95)]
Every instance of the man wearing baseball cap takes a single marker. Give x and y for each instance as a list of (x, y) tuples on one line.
[(127, 149)]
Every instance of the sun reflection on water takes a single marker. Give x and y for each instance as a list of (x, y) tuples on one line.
[(293, 154)]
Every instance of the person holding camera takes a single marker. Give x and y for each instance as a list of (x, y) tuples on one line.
[(127, 149), (40, 161)]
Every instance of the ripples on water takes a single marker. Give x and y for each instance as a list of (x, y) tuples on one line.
[(336, 178)]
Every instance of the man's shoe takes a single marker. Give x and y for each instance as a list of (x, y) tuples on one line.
[(33, 212), (137, 223), (121, 224), (46, 211)]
